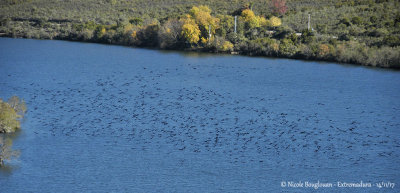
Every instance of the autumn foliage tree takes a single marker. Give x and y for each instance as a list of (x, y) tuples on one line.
[(203, 18), (10, 113), (18, 105), (323, 50), (253, 21), (275, 21), (279, 7), (190, 30)]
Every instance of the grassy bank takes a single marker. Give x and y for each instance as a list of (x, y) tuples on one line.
[(365, 32)]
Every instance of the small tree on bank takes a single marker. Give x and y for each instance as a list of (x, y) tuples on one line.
[(10, 114)]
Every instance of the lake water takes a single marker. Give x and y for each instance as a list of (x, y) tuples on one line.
[(107, 118)]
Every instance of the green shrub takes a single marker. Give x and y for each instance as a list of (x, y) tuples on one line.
[(307, 36), (391, 40), (287, 48), (356, 20)]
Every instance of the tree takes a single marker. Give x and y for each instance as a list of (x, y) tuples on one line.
[(8, 118), (99, 32), (226, 25), (148, 35), (275, 21), (323, 50), (169, 34), (307, 36), (287, 48), (10, 113), (203, 18), (227, 46), (190, 30), (250, 18), (253, 21), (18, 105), (279, 6), (6, 152)]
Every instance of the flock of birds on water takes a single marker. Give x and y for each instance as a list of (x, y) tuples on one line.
[(197, 119)]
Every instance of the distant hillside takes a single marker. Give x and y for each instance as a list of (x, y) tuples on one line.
[(112, 10)]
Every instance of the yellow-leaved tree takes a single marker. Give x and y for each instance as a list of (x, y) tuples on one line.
[(253, 21), (190, 30), (203, 18), (275, 22), (10, 113), (250, 18)]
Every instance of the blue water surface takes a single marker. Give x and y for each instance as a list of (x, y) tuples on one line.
[(107, 118)]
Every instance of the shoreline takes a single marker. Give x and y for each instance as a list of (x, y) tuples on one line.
[(362, 33), (236, 53)]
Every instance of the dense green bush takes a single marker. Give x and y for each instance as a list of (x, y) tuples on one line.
[(287, 48)]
